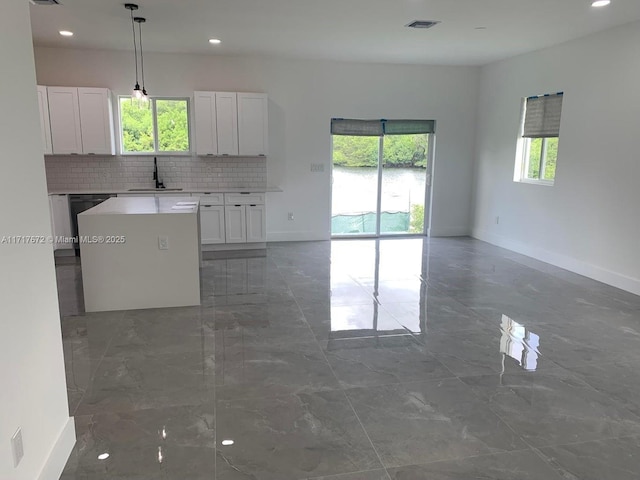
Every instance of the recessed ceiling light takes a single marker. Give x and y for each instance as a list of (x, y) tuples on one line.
[(103, 456), (66, 33), (227, 442), (600, 3), (214, 41)]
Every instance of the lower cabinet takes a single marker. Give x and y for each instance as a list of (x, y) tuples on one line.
[(60, 221), (235, 219), (256, 224), (212, 228), (245, 223)]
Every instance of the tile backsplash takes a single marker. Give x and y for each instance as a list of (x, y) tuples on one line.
[(124, 172)]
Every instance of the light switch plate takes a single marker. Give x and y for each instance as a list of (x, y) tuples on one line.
[(163, 242)]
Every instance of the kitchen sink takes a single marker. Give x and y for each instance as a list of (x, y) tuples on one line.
[(154, 190)]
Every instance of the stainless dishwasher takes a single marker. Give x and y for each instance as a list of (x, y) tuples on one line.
[(80, 203)]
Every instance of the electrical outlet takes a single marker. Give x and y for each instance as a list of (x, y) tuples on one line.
[(17, 448), (317, 167), (290, 216), (163, 242)]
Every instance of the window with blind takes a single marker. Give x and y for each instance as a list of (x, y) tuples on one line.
[(537, 153)]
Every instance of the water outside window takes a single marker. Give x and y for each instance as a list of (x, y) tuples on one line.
[(402, 184)]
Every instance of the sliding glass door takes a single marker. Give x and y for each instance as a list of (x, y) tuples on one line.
[(380, 183)]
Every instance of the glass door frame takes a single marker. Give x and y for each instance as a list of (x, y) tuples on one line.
[(428, 194)]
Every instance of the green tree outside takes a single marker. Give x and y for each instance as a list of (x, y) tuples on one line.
[(408, 151), (137, 125)]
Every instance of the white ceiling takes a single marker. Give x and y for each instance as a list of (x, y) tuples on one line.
[(353, 30)]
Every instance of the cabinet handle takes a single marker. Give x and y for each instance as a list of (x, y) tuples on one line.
[(225, 154), (237, 205), (252, 205), (245, 193), (209, 154), (261, 155), (90, 153), (207, 206)]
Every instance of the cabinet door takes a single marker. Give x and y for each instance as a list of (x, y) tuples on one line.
[(252, 124), (45, 126), (206, 129), (60, 220), (96, 121), (64, 114), (235, 224), (227, 123), (212, 224), (256, 224)]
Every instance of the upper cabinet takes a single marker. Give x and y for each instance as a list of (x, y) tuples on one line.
[(64, 113), (45, 127), (252, 124), (81, 121), (96, 121), (229, 123), (206, 128)]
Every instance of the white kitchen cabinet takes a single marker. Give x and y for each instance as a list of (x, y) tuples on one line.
[(64, 115), (256, 223), (205, 116), (235, 223), (245, 218), (227, 123), (96, 121), (45, 126), (252, 124), (81, 121), (216, 115), (212, 227), (60, 220)]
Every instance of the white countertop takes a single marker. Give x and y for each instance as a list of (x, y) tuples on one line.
[(161, 191), (144, 206)]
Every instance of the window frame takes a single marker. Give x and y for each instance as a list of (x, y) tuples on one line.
[(154, 117), (523, 155), (526, 161)]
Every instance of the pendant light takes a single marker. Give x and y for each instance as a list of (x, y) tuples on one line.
[(140, 21), (137, 92)]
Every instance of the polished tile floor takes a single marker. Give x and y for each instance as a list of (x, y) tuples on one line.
[(399, 359)]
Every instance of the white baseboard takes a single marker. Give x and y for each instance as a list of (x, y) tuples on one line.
[(218, 247), (449, 232), (615, 279), (303, 236), (60, 452)]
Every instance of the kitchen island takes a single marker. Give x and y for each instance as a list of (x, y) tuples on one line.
[(140, 252)]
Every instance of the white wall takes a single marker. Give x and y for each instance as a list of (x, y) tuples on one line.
[(33, 388), (303, 97), (588, 221)]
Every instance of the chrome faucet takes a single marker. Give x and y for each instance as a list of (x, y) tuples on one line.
[(156, 177)]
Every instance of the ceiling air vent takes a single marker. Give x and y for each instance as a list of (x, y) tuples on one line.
[(422, 24), (44, 2)]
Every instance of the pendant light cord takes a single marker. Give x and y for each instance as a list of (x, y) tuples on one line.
[(141, 54), (135, 49)]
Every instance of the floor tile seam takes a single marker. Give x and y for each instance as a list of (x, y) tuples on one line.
[(493, 410), (102, 357), (364, 430), (346, 473), (616, 402), (593, 440), (534, 448), (460, 458)]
